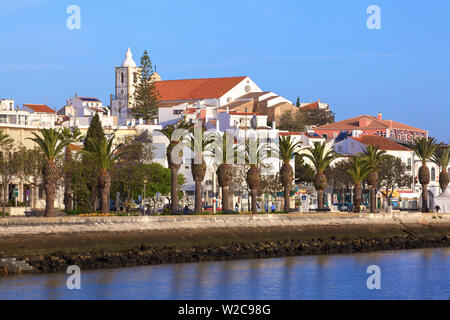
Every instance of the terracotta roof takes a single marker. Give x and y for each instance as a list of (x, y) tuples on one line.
[(195, 89), (234, 104), (370, 123), (380, 142), (252, 95), (313, 105), (398, 125), (39, 108), (97, 110)]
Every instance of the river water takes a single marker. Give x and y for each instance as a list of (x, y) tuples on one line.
[(412, 274)]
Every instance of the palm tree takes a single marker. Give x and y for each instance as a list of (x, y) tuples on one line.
[(224, 152), (174, 133), (198, 145), (70, 137), (5, 144), (5, 139), (372, 157), (287, 149), (255, 153), (102, 153), (441, 157), (321, 160), (424, 149), (358, 171), (51, 143)]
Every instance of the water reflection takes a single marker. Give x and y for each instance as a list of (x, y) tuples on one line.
[(416, 274)]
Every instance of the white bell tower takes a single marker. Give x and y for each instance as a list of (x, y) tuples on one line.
[(126, 76)]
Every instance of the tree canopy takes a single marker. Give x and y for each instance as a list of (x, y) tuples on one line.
[(146, 95), (303, 118)]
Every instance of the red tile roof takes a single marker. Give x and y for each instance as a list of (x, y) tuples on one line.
[(40, 108), (368, 122), (313, 105), (195, 89), (234, 104), (380, 142)]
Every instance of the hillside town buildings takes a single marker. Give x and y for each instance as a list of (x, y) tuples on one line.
[(225, 104)]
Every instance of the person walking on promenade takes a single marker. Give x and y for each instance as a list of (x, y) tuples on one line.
[(273, 207), (266, 207)]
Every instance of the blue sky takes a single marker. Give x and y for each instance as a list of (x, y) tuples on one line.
[(312, 49)]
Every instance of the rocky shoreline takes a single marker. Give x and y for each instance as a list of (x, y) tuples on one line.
[(144, 255), (83, 243)]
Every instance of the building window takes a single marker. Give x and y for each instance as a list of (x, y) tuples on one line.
[(409, 163), (121, 77), (3, 118), (176, 112), (433, 174)]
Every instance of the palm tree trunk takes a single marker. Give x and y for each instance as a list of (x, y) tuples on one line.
[(174, 189), (225, 198), (105, 183), (373, 200), (320, 200), (425, 198), (358, 193), (198, 197), (50, 193), (50, 180), (254, 196), (287, 198), (68, 181), (94, 200), (5, 191)]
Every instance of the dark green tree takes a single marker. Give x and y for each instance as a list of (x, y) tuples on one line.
[(393, 174), (90, 172), (95, 132), (146, 95), (303, 171)]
